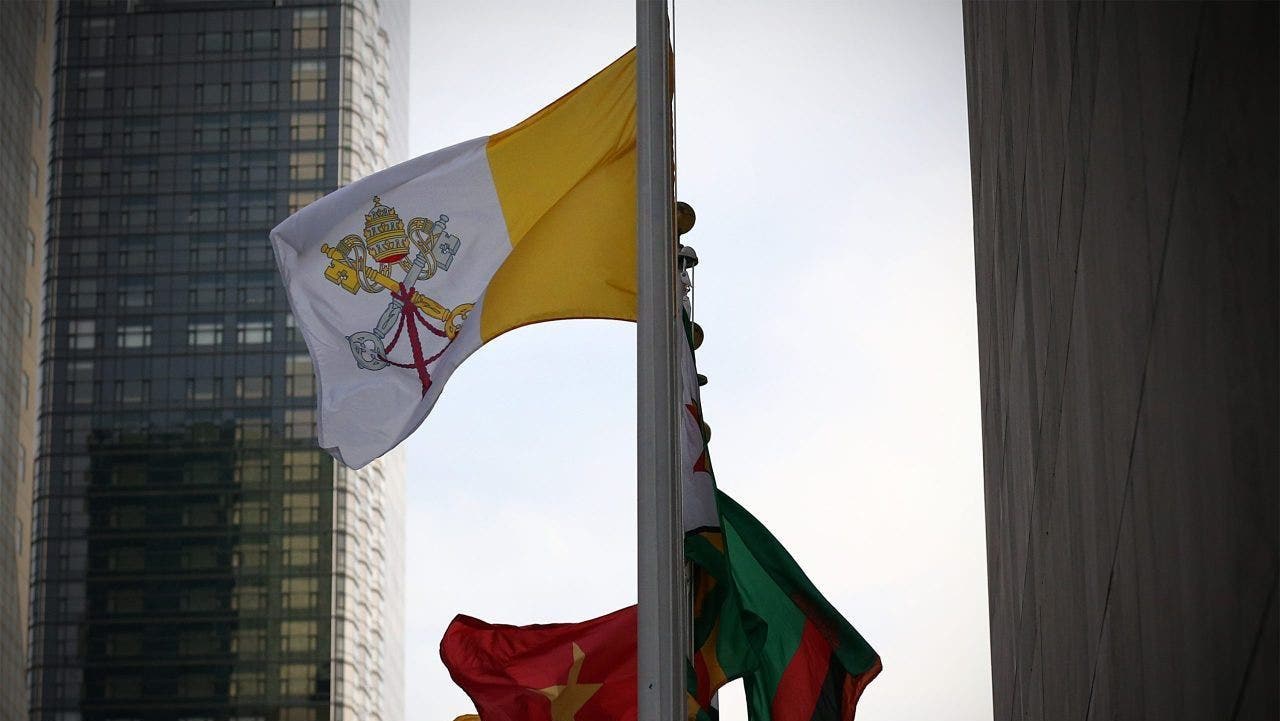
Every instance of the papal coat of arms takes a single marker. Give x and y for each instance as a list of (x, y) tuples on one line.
[(421, 250)]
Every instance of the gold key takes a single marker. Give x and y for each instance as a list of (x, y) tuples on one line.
[(344, 273)]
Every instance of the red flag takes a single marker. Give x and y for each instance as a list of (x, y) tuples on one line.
[(554, 672)]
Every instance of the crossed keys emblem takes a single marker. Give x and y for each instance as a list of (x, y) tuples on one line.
[(389, 244)]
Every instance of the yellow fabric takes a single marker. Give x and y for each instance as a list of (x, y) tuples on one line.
[(566, 179)]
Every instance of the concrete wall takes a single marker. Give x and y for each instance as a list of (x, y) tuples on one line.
[(1124, 162), (26, 41)]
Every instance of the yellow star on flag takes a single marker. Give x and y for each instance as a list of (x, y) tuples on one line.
[(566, 700)]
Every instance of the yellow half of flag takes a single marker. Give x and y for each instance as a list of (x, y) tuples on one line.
[(566, 178)]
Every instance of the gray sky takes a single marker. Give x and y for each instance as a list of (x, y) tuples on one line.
[(825, 148)]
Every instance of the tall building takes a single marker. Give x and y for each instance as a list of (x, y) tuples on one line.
[(196, 556), (25, 41), (1124, 160)]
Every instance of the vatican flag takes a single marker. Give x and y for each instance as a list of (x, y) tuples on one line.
[(395, 279)]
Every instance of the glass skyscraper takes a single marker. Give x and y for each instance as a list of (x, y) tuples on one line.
[(196, 558)]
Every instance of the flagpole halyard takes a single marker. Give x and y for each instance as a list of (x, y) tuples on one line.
[(662, 623)]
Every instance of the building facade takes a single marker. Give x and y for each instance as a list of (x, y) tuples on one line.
[(196, 556), (1124, 161), (25, 54)]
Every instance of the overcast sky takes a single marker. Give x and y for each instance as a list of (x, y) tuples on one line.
[(825, 149)]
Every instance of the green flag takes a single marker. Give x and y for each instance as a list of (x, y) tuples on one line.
[(812, 664), (759, 618)]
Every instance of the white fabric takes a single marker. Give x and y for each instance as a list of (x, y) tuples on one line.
[(698, 497), (361, 413)]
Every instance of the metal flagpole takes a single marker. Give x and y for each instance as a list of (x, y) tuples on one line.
[(663, 624)]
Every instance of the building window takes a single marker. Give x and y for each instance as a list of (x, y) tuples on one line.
[(258, 168), (249, 555), (200, 557), (261, 91), (299, 380), (298, 594), (306, 126), (128, 558), (35, 178), (258, 210), (25, 388), (249, 641), (26, 317), (250, 513), (211, 133), (122, 687), (253, 387), (309, 28), (212, 93), (259, 128), (133, 391), (95, 40), (300, 550), (297, 636), (195, 685), (31, 247), (81, 335), (308, 80), (301, 508), (207, 255), (204, 334), (299, 423), (206, 290), (197, 643), (301, 466), (80, 382), (256, 289), (124, 644), (201, 514), (306, 165), (261, 39), (127, 517), (297, 679), (128, 600), (83, 293), (203, 389), (247, 684), (249, 598), (138, 255), (213, 42), (144, 45), (299, 199), (253, 332), (135, 293), (252, 471), (129, 474), (136, 335), (202, 473), (253, 429)]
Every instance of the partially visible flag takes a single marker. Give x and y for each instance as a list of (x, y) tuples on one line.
[(697, 484), (395, 279), (810, 663), (556, 672), (756, 615)]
